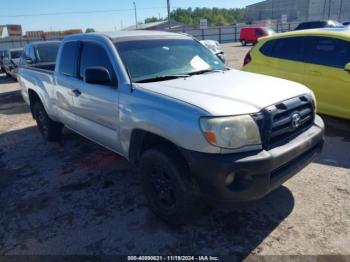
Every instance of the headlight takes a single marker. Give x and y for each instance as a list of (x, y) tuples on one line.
[(231, 132)]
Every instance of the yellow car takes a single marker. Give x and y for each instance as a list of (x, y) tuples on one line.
[(319, 59)]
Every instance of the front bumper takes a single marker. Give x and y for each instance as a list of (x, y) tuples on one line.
[(256, 173)]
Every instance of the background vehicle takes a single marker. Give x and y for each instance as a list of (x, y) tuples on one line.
[(40, 55), (252, 34), (2, 54), (319, 24), (318, 59), (192, 127), (11, 61), (215, 48)]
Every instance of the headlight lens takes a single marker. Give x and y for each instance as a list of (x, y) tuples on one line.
[(231, 132)]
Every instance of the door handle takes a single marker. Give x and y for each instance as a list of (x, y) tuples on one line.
[(76, 92)]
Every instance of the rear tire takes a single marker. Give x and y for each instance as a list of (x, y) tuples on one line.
[(243, 42), (49, 129), (171, 193)]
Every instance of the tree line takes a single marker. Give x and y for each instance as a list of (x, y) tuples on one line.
[(215, 16)]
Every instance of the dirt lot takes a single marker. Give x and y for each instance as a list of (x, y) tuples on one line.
[(79, 198)]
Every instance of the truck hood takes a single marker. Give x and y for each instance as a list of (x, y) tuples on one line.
[(231, 92)]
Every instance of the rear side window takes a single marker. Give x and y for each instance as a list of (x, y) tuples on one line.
[(291, 48), (46, 53), (16, 54), (68, 61), (94, 55), (327, 51)]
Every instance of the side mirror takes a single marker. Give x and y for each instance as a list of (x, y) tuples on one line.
[(347, 67), (29, 61), (221, 56), (97, 75)]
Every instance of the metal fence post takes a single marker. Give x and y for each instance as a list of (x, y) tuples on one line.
[(202, 34), (220, 40), (235, 33)]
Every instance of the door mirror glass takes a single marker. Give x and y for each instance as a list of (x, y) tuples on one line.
[(29, 60), (97, 75), (347, 67)]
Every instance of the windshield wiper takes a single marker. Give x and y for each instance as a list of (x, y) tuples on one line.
[(162, 78), (200, 72)]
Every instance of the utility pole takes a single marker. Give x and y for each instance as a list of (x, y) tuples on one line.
[(168, 5), (135, 15)]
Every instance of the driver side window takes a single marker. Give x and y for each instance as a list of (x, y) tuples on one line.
[(94, 55)]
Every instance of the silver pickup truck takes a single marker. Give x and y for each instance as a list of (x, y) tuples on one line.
[(196, 130)]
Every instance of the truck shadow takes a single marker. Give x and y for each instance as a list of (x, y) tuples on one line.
[(4, 79)]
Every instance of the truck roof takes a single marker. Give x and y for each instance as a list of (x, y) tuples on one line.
[(134, 34), (15, 49)]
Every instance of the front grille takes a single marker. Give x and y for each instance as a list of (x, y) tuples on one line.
[(282, 122)]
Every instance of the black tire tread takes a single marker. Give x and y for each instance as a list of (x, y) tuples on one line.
[(191, 196), (54, 128)]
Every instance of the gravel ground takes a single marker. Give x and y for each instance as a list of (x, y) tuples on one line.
[(79, 198)]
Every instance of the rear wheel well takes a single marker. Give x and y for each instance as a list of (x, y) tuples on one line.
[(33, 98), (142, 140)]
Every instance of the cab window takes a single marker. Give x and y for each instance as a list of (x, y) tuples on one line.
[(327, 51), (68, 60), (259, 32)]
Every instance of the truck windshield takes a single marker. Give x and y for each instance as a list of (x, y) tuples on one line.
[(16, 54), (166, 59), (47, 53)]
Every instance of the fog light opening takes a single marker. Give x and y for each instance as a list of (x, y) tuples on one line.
[(241, 181), (230, 178)]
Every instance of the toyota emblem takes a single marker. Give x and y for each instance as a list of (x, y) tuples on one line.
[(296, 120)]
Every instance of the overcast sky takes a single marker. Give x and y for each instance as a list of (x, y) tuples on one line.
[(103, 15)]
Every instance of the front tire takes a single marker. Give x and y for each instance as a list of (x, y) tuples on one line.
[(171, 193), (243, 43), (49, 129)]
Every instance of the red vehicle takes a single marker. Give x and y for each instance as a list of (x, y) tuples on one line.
[(252, 34)]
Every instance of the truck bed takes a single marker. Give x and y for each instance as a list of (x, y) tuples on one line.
[(43, 66)]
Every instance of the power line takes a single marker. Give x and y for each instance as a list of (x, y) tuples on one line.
[(82, 12)]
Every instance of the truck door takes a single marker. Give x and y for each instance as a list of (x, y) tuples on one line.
[(96, 105)]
